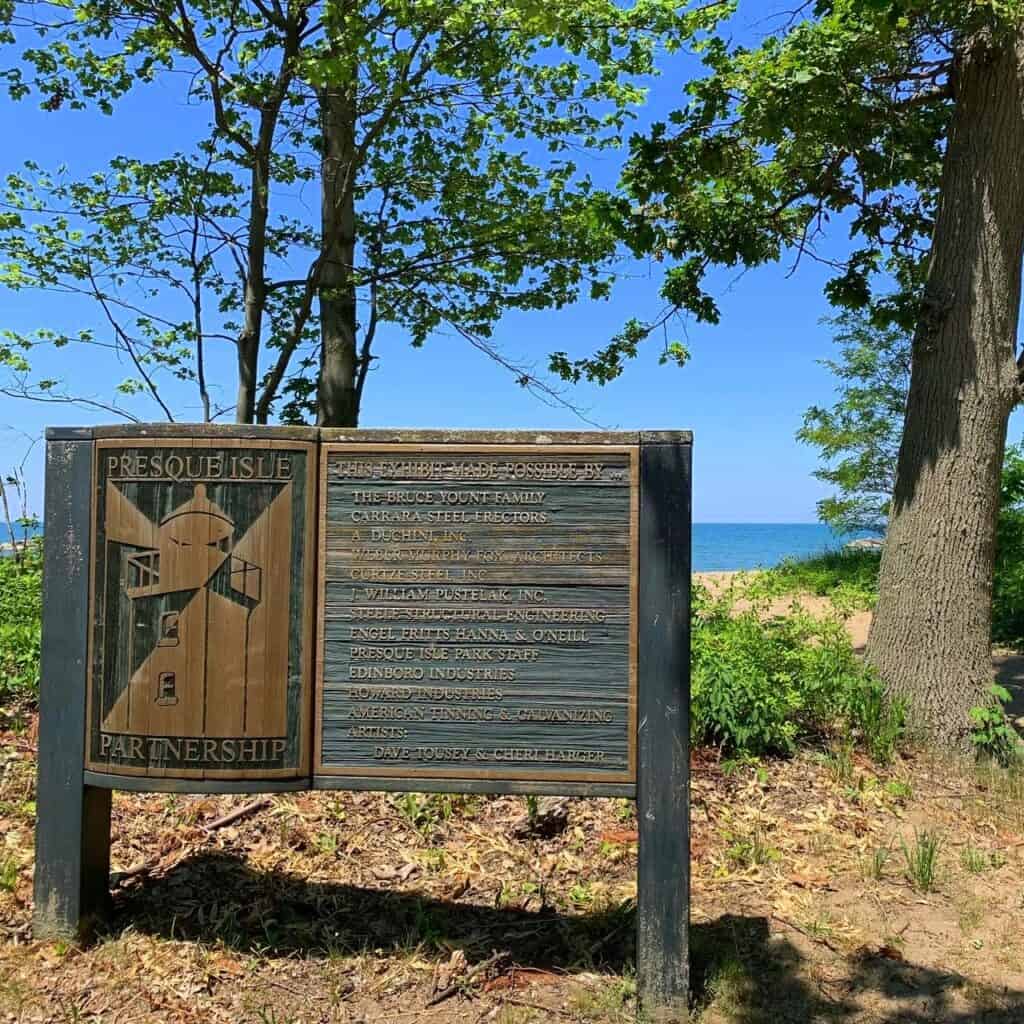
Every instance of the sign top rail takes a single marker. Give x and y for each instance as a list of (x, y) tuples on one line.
[(373, 435)]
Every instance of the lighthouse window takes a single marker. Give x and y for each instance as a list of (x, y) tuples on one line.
[(169, 629)]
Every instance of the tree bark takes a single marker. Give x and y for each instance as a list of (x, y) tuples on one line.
[(930, 640), (337, 398), (255, 297)]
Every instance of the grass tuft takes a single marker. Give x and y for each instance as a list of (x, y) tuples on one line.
[(922, 859)]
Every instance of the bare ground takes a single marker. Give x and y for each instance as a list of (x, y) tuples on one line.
[(346, 907), (362, 907)]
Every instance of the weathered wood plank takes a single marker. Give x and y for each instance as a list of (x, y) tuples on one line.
[(513, 656), (73, 828), (207, 431), (663, 868), (497, 786), (155, 784), (532, 438)]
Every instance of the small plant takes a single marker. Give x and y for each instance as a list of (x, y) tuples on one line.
[(821, 926), (875, 865), (611, 1001), (326, 842), (973, 860), (625, 810), (752, 852), (900, 791), (532, 810), (878, 721), (434, 860), (839, 764), (428, 927), (729, 986), (922, 859), (581, 894), (268, 1015), (742, 760), (991, 732), (8, 874), (426, 811)]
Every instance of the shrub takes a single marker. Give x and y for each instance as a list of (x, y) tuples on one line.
[(761, 685), (20, 622), (849, 577), (991, 733)]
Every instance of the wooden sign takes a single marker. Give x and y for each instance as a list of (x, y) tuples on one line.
[(201, 608), (478, 613), (496, 612)]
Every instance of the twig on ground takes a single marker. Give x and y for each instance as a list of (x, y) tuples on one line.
[(479, 968), (820, 939), (239, 812), (120, 877), (287, 988)]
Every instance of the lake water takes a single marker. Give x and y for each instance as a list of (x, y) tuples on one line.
[(718, 547)]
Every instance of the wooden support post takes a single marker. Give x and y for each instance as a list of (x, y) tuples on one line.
[(663, 869), (73, 828)]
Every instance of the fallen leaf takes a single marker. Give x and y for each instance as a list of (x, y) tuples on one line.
[(521, 977), (811, 881), (621, 835)]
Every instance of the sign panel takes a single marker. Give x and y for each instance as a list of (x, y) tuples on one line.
[(478, 612), (201, 599)]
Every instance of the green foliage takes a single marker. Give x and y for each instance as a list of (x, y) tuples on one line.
[(991, 732), (8, 874), (873, 867), (762, 685), (463, 128), (922, 859), (858, 439), (837, 114), (973, 860), (848, 577), (839, 764), (859, 436), (532, 809), (428, 811), (877, 721), (751, 851), (20, 622)]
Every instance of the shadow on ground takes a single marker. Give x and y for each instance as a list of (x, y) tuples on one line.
[(742, 971)]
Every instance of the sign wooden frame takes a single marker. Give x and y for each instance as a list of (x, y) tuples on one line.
[(73, 796)]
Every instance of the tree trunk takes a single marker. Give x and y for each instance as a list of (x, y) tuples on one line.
[(255, 297), (930, 640), (337, 399)]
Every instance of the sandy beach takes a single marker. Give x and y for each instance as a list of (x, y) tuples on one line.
[(857, 624)]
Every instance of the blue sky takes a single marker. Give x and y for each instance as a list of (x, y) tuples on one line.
[(743, 393)]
